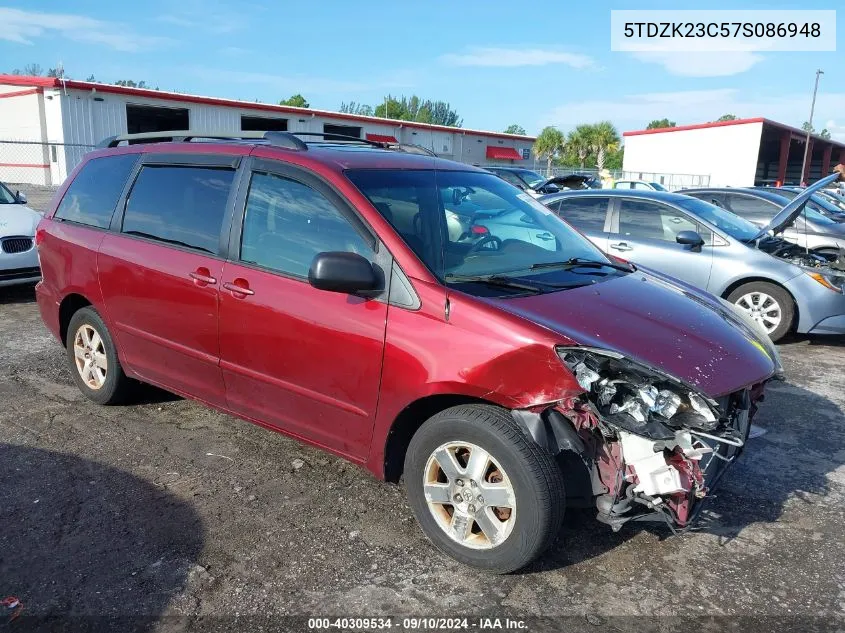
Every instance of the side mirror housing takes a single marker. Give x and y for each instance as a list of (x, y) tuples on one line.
[(347, 273), (21, 197), (689, 238)]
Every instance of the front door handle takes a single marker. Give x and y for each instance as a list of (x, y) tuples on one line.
[(544, 236), (202, 277), (621, 246), (239, 288)]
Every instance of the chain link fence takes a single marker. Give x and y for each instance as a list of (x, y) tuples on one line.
[(672, 182), (37, 163)]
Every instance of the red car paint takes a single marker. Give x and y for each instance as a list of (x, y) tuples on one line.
[(338, 371)]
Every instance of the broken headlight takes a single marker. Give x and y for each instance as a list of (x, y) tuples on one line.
[(638, 398)]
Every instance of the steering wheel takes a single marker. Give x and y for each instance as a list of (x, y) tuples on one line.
[(487, 239)]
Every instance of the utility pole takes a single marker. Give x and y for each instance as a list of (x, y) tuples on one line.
[(809, 128)]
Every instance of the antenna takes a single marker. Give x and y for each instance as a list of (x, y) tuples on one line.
[(60, 73)]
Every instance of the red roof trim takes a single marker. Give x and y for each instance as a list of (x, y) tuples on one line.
[(382, 138), (19, 93), (503, 153), (26, 165), (697, 126), (20, 80)]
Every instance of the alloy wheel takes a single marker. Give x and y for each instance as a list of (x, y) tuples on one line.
[(470, 495), (763, 308), (90, 356)]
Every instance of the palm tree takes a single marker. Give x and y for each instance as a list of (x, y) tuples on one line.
[(580, 142), (603, 139), (549, 143)]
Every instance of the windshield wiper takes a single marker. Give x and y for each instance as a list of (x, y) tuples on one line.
[(164, 239), (500, 281), (583, 261)]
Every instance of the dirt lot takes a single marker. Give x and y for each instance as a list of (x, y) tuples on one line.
[(166, 509)]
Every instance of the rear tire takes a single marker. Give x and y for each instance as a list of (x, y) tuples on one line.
[(770, 305), (92, 358), (484, 454)]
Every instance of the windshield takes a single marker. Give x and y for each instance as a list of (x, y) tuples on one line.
[(723, 219), (6, 196), (470, 224), (531, 177)]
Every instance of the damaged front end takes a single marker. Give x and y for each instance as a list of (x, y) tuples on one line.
[(653, 445)]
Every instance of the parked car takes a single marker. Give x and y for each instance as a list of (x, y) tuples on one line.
[(18, 256), (536, 185), (809, 228), (314, 289), (817, 202), (775, 282), (639, 185)]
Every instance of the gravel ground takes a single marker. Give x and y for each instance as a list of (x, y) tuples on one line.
[(181, 518)]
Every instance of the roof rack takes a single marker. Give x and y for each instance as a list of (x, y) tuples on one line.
[(286, 140), (277, 139)]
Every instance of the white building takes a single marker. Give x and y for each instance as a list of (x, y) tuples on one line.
[(62, 120), (740, 153)]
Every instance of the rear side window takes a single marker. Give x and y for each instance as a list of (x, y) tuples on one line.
[(179, 205), (92, 196), (585, 214)]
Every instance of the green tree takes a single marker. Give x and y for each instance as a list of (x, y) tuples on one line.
[(603, 139), (91, 77), (296, 100), (809, 128), (727, 117), (356, 108), (416, 109), (34, 70), (579, 142), (825, 134), (614, 159), (515, 129), (658, 124), (130, 83), (550, 143)]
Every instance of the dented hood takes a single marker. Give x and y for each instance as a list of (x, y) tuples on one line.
[(666, 325), (787, 215)]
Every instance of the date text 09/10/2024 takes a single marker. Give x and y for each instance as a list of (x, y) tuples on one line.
[(417, 624)]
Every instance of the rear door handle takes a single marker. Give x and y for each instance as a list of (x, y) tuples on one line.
[(621, 246), (202, 277), (239, 288), (544, 236)]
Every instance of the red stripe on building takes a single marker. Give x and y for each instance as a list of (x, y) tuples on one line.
[(20, 93), (27, 165), (382, 138), (697, 126)]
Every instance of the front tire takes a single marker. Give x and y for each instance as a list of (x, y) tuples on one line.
[(93, 360), (483, 492), (770, 305)]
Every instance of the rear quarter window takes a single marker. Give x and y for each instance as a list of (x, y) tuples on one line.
[(92, 196)]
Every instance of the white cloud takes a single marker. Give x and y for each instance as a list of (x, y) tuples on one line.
[(283, 85), (210, 17), (702, 64), (22, 27), (634, 111), (515, 57)]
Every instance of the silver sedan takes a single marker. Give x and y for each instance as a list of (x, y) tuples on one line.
[(18, 257)]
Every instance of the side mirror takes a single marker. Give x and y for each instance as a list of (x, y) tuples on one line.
[(21, 197), (347, 273), (689, 238)]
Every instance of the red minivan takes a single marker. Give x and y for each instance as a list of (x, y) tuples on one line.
[(417, 316)]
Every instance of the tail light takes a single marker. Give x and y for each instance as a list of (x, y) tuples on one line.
[(39, 236), (479, 229)]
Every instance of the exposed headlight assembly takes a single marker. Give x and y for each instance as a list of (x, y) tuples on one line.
[(637, 398)]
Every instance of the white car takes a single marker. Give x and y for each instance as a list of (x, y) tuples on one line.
[(640, 185), (18, 256)]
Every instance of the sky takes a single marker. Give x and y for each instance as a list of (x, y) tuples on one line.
[(496, 63)]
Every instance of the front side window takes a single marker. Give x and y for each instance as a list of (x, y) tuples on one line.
[(179, 205), (287, 223), (651, 220), (92, 196), (469, 225)]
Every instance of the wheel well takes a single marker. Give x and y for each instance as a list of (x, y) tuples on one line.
[(68, 307), (748, 280), (406, 424)]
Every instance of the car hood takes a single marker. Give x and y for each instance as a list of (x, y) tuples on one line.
[(569, 181), (16, 219), (787, 215), (667, 325)]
